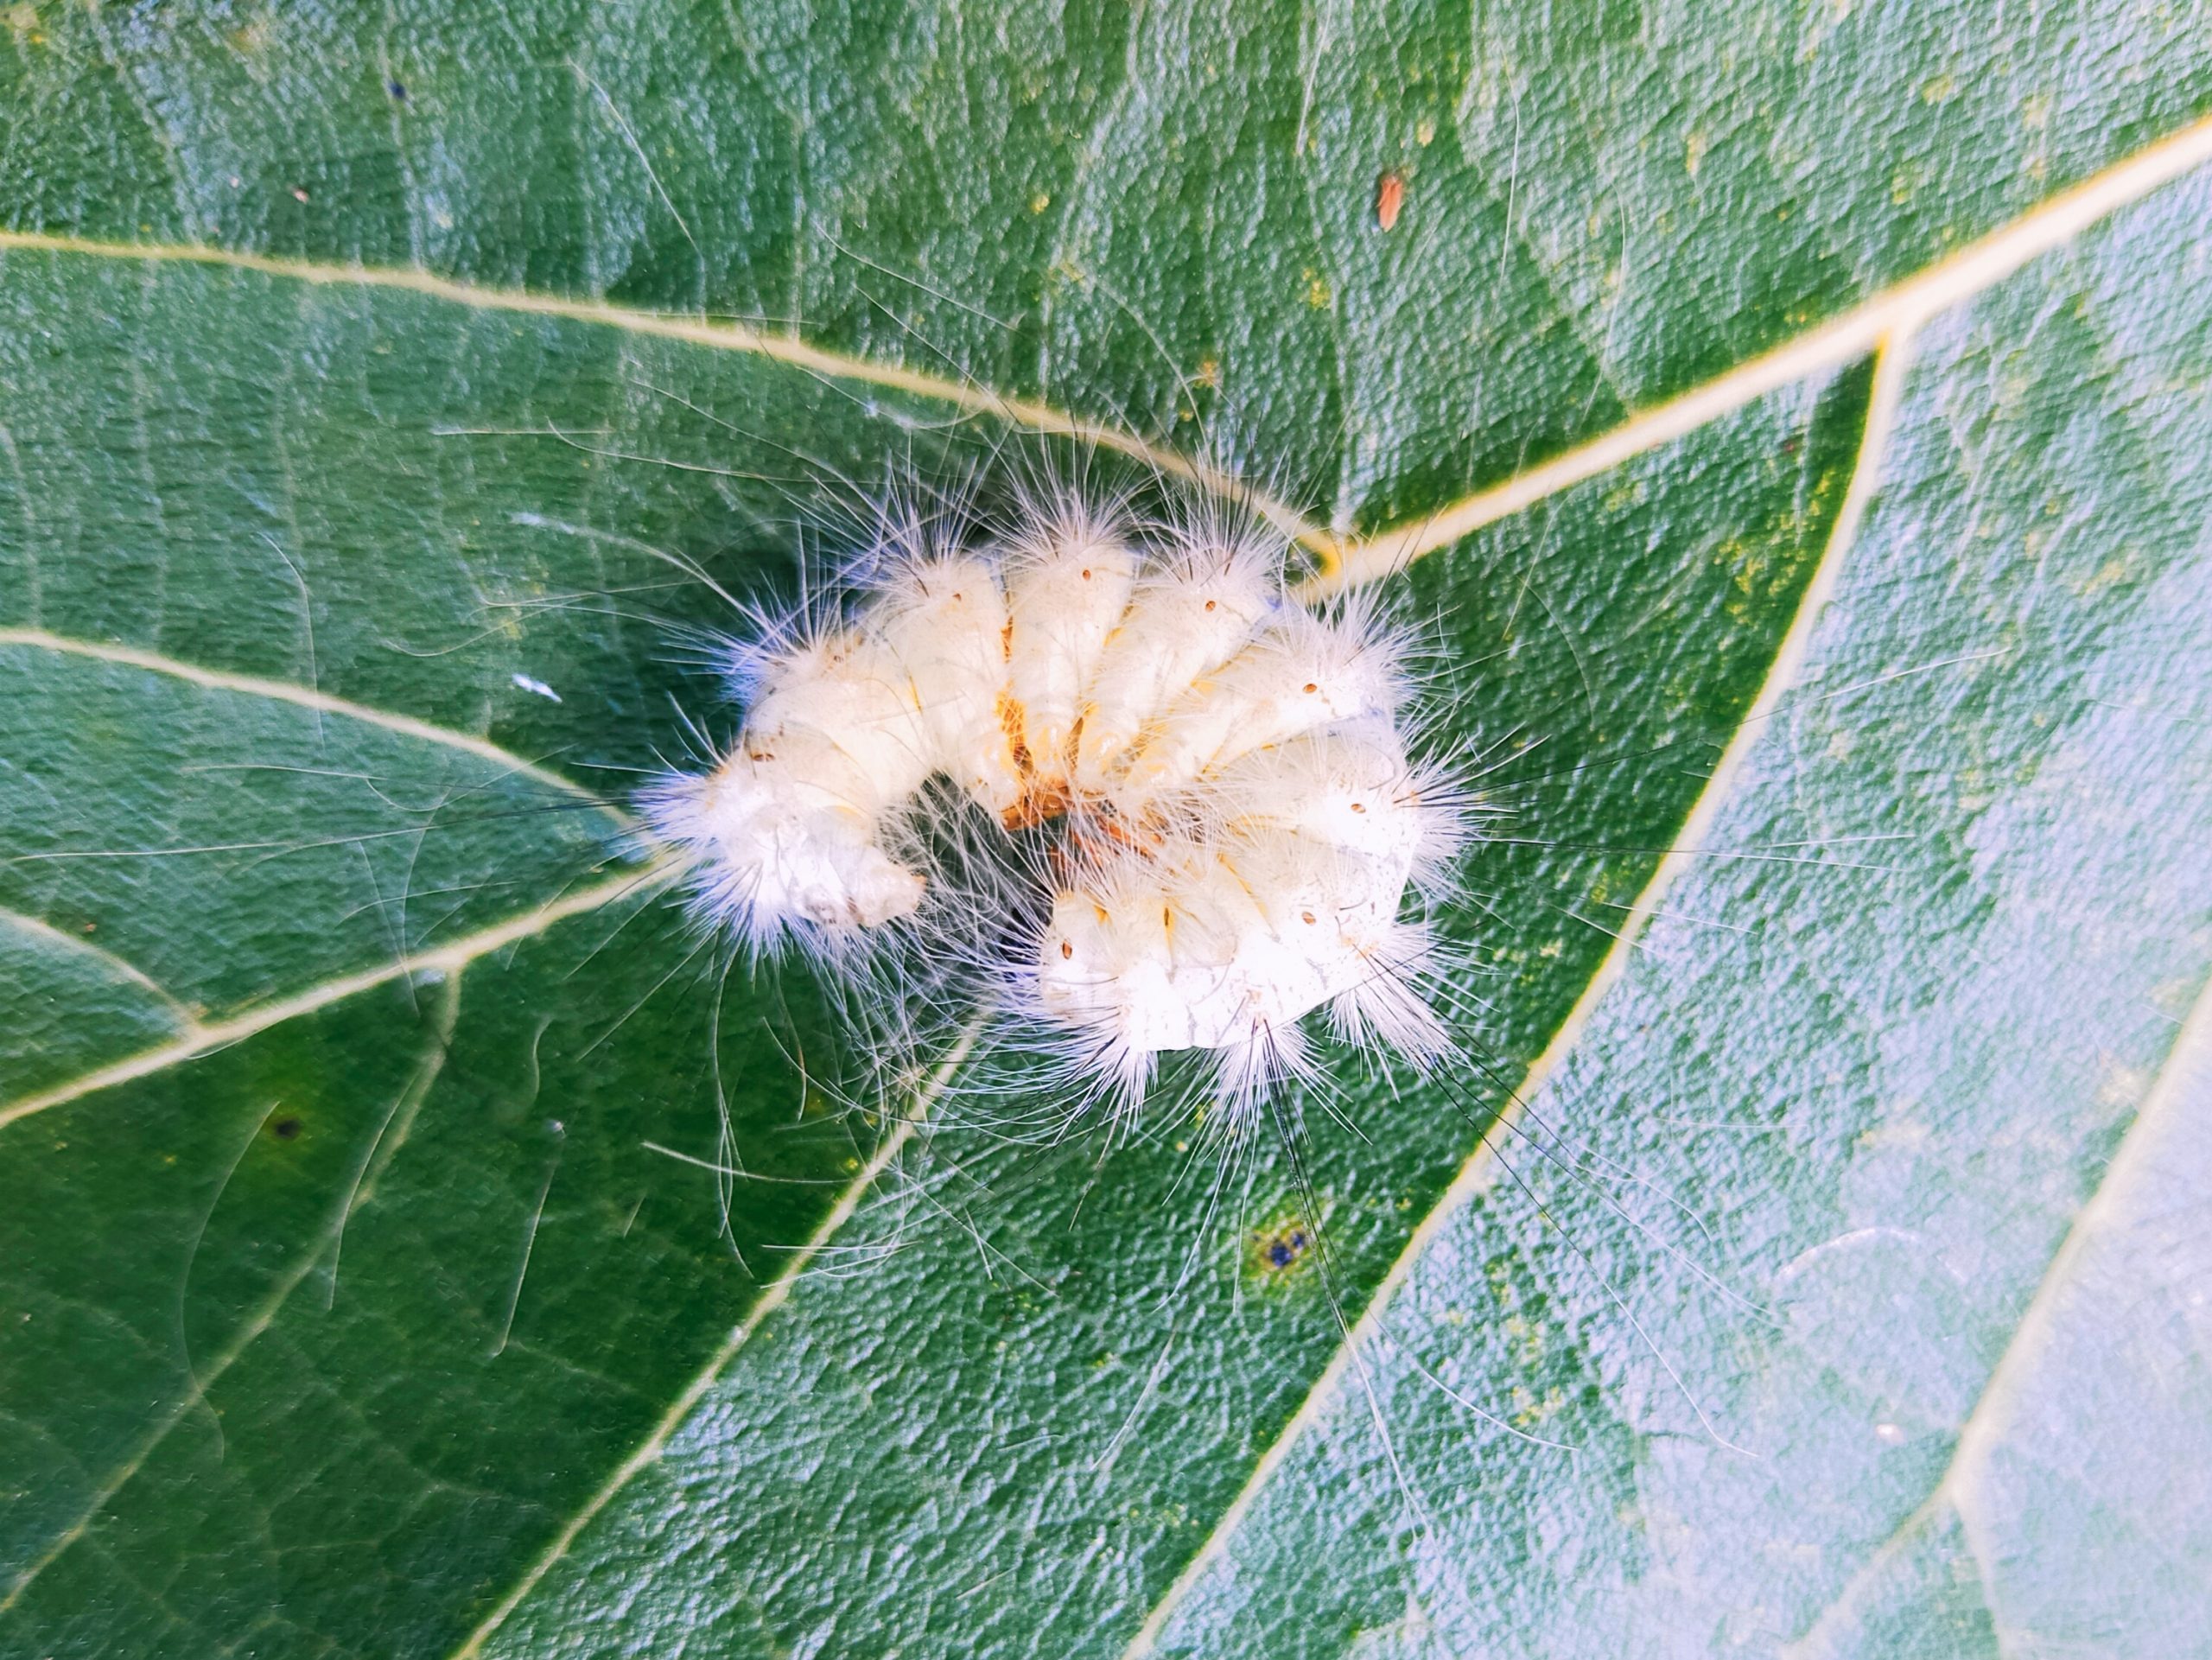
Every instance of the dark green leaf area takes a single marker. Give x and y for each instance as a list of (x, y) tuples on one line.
[(234, 847), (1825, 1170), (1036, 1376), (67, 1006), (1603, 648), (488, 521), (309, 1344), (1130, 213)]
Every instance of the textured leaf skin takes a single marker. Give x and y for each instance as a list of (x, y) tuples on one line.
[(1894, 1101), (326, 1341), (1604, 204)]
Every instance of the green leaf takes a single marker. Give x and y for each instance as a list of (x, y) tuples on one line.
[(371, 386)]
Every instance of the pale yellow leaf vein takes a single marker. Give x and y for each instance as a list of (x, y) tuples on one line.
[(264, 1316), (1475, 1174), (967, 396), (2179, 1087), (198, 1039), (772, 1297), (1884, 319), (1899, 309), (121, 969), (287, 692)]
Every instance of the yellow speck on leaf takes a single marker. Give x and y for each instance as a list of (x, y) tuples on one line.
[(1317, 291), (1693, 152), (1040, 201), (1425, 132), (1939, 89), (2121, 1086), (2114, 573)]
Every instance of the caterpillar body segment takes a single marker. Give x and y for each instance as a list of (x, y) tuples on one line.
[(1239, 815)]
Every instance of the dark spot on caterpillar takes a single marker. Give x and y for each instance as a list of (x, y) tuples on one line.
[(1308, 918), (1212, 603), (1359, 806), (285, 1129), (1067, 948), (1086, 576), (1312, 685)]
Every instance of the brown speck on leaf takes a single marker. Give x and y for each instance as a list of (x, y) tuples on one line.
[(1389, 197)]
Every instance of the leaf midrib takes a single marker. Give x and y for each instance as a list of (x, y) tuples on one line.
[(1475, 1172)]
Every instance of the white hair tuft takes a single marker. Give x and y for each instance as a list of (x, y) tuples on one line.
[(1239, 814)]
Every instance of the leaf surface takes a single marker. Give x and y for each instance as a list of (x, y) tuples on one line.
[(361, 1298)]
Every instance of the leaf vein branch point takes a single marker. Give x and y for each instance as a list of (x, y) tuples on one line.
[(1475, 1174), (1896, 311), (197, 1040), (171, 1003)]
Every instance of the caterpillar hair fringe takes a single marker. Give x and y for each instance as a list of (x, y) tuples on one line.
[(1097, 767)]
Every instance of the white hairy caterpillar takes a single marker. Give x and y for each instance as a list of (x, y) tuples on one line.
[(1241, 814)]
